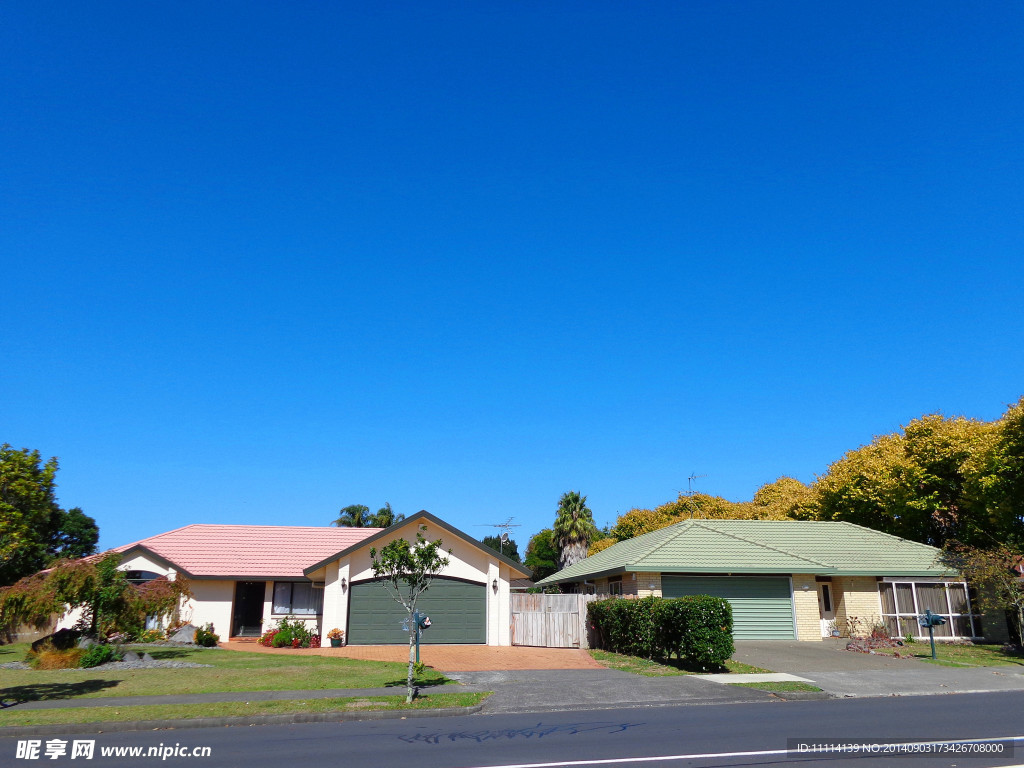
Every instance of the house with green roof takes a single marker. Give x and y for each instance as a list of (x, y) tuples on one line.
[(787, 579)]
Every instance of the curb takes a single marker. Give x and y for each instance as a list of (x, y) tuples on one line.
[(803, 695), (21, 731)]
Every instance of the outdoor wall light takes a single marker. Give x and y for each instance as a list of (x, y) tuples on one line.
[(344, 584), (494, 586), (805, 587)]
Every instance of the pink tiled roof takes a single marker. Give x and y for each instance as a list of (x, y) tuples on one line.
[(249, 551)]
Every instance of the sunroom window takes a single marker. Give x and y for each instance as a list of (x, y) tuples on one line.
[(297, 598), (903, 603)]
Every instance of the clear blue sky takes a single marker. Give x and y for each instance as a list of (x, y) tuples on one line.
[(263, 261)]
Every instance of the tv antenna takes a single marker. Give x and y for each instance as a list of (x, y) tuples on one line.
[(505, 527), (689, 491)]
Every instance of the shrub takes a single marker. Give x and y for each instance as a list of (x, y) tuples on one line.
[(267, 639), (99, 654), (696, 628), (48, 655), (151, 636), (206, 637), (288, 634)]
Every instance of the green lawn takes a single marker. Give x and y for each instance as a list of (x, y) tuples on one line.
[(230, 671), (100, 714), (663, 667), (958, 655)]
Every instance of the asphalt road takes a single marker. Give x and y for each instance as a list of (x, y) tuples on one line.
[(640, 736)]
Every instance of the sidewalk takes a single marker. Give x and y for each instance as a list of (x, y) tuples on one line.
[(845, 673)]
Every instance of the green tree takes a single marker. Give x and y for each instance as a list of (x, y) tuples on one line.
[(542, 555), (353, 516), (406, 571), (27, 498), (998, 480), (385, 517), (785, 498), (509, 548), (109, 603), (915, 484), (992, 573), (574, 528), (34, 530)]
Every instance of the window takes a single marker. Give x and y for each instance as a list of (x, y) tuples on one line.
[(615, 585), (297, 598), (826, 598), (140, 577), (904, 602)]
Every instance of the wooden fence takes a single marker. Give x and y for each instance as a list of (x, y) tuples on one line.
[(550, 621)]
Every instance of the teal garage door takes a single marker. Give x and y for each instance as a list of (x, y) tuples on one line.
[(457, 611), (762, 607)]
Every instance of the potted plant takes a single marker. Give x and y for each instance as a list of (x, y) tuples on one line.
[(337, 637)]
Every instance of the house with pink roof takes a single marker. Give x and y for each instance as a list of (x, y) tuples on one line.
[(245, 578)]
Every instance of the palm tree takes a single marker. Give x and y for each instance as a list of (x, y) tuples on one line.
[(353, 516), (574, 528), (385, 517)]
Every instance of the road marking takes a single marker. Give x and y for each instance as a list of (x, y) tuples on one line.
[(757, 753)]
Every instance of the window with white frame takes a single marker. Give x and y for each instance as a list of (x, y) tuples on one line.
[(297, 598), (615, 585), (904, 602)]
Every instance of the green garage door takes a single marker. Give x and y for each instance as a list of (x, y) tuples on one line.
[(762, 607), (457, 611)]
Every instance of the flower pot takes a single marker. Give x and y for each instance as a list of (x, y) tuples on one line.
[(336, 643)]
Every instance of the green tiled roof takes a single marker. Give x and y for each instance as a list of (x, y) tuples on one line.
[(761, 546)]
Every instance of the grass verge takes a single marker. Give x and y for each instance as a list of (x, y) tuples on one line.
[(229, 671), (781, 686), (950, 655), (665, 667), (234, 709)]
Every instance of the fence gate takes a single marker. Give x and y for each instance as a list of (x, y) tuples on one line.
[(550, 621)]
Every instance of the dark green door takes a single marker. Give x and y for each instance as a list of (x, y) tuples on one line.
[(457, 611), (762, 606)]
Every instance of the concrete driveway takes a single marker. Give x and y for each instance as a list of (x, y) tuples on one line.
[(449, 658), (847, 673)]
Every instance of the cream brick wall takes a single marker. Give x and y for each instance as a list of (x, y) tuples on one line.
[(856, 597), (808, 612), (646, 584)]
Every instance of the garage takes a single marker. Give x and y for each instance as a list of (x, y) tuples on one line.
[(457, 611), (762, 606)]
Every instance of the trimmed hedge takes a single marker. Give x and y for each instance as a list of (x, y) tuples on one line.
[(697, 628)]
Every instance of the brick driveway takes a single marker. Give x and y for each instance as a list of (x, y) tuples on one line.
[(448, 658)]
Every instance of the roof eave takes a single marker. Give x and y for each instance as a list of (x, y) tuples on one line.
[(421, 515)]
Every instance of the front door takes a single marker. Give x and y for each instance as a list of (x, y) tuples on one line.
[(827, 608), (248, 617)]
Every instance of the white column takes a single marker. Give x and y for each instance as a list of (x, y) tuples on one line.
[(493, 604), (332, 597)]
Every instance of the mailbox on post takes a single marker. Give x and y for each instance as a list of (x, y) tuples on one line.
[(930, 620), (422, 622)]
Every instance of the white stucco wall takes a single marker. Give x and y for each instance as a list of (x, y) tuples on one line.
[(211, 603), (465, 561)]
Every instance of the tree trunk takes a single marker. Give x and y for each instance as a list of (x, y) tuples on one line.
[(413, 629)]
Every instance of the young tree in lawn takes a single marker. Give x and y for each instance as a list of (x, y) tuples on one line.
[(406, 571)]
